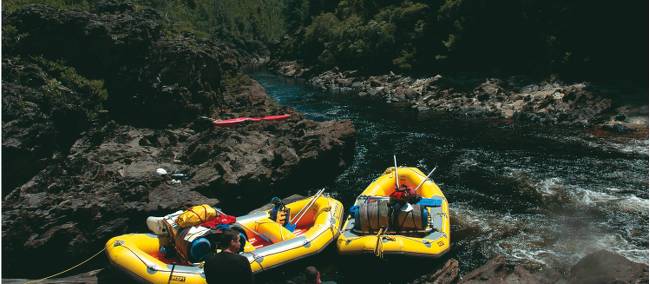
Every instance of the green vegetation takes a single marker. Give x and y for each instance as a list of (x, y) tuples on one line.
[(67, 76), (230, 19), (575, 39), (234, 19), (9, 6)]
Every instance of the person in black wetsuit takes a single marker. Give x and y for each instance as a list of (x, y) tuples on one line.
[(228, 266)]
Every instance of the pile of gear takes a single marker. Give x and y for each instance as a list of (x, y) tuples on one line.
[(191, 235)]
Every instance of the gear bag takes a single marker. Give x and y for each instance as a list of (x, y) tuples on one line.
[(196, 215)]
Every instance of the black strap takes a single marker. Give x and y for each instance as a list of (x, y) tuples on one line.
[(170, 273), (377, 212)]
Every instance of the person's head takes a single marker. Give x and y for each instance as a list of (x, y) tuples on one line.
[(312, 274), (230, 241)]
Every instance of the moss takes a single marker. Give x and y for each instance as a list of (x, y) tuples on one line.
[(68, 76), (233, 81)]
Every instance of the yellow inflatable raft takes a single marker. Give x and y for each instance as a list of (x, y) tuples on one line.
[(424, 229), (268, 244)]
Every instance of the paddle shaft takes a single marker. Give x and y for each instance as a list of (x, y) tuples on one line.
[(425, 179), (396, 175), (302, 212)]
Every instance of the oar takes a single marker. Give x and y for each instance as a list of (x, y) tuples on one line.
[(396, 175), (425, 179), (291, 226)]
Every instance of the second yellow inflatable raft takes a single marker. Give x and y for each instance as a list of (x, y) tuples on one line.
[(429, 234)]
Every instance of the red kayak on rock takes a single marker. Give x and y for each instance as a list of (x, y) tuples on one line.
[(238, 120)]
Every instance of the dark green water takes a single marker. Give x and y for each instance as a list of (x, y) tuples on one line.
[(540, 196)]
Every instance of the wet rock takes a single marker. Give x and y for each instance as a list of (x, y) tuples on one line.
[(493, 269), (88, 277), (374, 91), (288, 68), (599, 267), (445, 275), (45, 107), (540, 103), (344, 82), (497, 271), (607, 267), (628, 120), (617, 128)]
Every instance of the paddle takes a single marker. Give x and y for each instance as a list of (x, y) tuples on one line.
[(291, 226), (425, 179), (396, 175)]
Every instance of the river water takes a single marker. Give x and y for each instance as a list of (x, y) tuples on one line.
[(541, 196)]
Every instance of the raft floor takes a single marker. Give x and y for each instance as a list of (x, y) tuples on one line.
[(255, 241)]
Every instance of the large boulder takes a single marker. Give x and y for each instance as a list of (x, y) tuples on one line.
[(608, 267), (446, 275), (154, 80), (98, 44), (497, 271), (599, 267), (45, 106)]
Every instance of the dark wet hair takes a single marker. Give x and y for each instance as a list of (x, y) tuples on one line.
[(227, 236)]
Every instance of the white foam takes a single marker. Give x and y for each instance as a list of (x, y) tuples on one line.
[(587, 197), (549, 186), (630, 146), (628, 203), (538, 256), (632, 203)]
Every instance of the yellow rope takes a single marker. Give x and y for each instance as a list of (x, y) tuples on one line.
[(379, 246), (67, 270)]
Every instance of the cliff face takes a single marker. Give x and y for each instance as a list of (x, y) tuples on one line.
[(95, 102)]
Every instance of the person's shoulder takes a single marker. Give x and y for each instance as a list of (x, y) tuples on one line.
[(241, 257), (210, 257)]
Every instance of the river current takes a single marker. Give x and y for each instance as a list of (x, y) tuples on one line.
[(541, 196)]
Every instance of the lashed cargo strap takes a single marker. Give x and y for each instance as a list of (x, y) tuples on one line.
[(197, 214), (171, 273)]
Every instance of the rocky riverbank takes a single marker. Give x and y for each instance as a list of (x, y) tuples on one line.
[(94, 102), (512, 101)]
